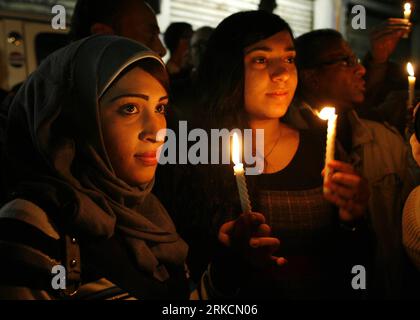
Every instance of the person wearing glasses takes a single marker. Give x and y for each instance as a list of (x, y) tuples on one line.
[(331, 75)]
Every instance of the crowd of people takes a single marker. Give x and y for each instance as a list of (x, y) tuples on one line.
[(81, 186)]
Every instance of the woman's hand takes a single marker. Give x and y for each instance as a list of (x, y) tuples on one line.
[(249, 236), (348, 191)]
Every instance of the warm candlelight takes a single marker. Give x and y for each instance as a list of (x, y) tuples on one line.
[(411, 85), (407, 14), (240, 175), (328, 113), (407, 11)]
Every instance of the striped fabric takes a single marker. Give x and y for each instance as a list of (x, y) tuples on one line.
[(102, 289), (304, 222), (411, 226), (299, 218)]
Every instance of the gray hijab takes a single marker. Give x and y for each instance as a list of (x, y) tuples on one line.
[(55, 148)]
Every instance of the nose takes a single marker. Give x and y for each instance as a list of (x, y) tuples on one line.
[(360, 69), (160, 48), (151, 124), (280, 72)]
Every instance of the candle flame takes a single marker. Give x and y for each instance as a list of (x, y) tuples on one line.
[(407, 7), (326, 113), (235, 148), (410, 69)]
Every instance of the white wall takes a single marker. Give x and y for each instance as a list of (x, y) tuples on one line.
[(324, 14)]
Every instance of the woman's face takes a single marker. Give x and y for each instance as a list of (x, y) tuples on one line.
[(132, 112), (270, 76)]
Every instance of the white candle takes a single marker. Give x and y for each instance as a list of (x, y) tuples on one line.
[(407, 11), (240, 176), (411, 85), (328, 113), (407, 14)]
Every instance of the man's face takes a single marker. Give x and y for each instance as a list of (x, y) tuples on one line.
[(339, 78), (139, 23)]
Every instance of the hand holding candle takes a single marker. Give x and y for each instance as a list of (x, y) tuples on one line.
[(411, 85), (328, 113), (240, 175)]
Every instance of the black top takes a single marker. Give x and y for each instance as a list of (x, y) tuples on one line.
[(304, 170)]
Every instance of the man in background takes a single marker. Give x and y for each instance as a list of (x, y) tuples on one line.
[(133, 19)]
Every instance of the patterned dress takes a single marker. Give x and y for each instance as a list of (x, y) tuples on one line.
[(306, 224)]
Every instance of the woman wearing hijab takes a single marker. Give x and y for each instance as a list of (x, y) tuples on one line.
[(78, 167), (247, 80)]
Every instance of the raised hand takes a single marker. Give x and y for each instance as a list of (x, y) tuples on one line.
[(385, 37)]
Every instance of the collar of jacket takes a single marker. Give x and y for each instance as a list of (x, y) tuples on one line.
[(361, 133)]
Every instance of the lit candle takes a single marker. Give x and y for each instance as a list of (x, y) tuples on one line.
[(407, 14), (240, 176), (407, 11), (328, 113), (411, 85)]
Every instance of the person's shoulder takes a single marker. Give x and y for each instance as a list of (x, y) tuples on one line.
[(27, 236), (27, 228), (381, 127), (384, 133), (29, 213), (388, 147), (29, 246)]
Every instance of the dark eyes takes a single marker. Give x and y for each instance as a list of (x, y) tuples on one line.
[(263, 60), (162, 109), (290, 60), (259, 60), (129, 109)]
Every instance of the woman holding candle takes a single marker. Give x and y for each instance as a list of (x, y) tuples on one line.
[(247, 80), (80, 157)]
